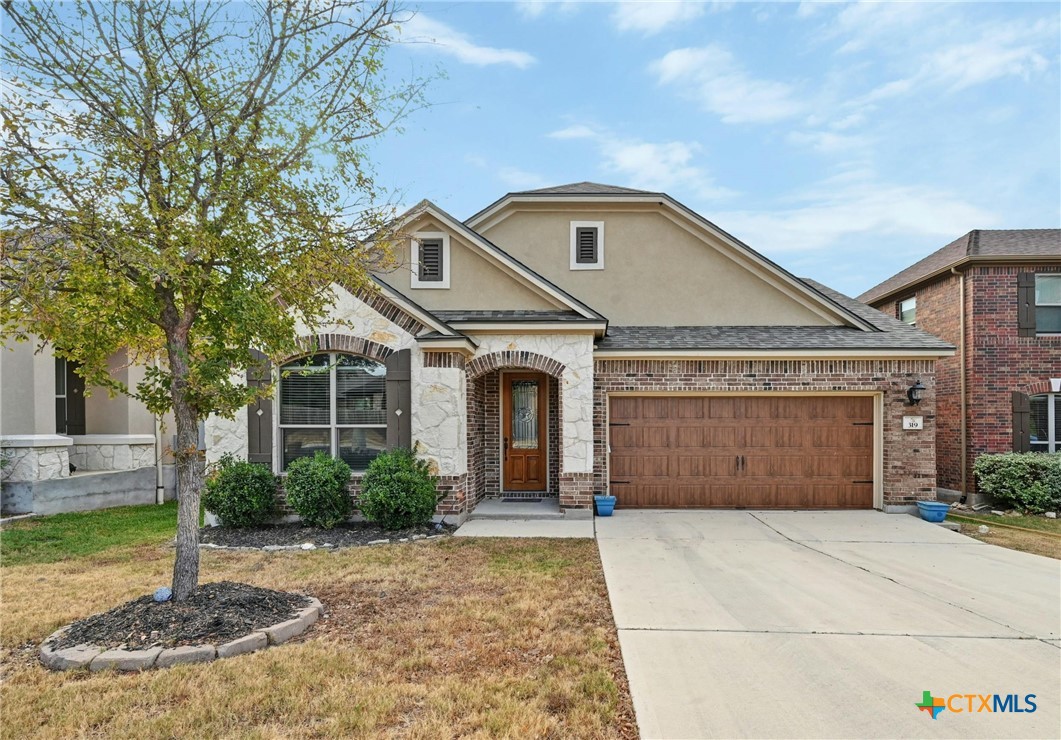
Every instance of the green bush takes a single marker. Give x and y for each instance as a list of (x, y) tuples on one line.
[(240, 493), (317, 490), (398, 491), (1029, 481)]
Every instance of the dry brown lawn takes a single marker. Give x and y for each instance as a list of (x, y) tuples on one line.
[(446, 638), (1016, 539)]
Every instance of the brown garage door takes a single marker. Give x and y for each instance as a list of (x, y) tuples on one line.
[(754, 451)]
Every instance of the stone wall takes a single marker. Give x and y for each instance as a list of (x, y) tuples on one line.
[(112, 452), (575, 353), (35, 457), (908, 456)]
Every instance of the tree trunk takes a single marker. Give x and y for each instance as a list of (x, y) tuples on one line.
[(189, 478)]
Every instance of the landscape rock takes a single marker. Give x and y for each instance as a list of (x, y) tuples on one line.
[(186, 654), (125, 660), (316, 604), (1051, 515), (380, 542), (308, 546), (247, 644), (983, 529), (996, 512)]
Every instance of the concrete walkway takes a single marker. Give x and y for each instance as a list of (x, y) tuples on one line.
[(827, 624)]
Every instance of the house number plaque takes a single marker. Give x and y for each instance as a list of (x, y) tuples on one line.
[(915, 423)]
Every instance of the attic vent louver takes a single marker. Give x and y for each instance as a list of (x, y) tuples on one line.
[(431, 260), (586, 246)]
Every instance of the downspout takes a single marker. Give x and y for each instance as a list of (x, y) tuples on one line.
[(160, 485), (961, 381)]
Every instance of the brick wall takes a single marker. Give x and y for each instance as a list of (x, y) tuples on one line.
[(1001, 362), (908, 457), (998, 363)]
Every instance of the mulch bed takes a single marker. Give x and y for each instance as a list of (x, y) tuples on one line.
[(348, 534), (215, 614)]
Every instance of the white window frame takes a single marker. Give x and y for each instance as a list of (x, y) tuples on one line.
[(416, 282), (900, 316), (1038, 277), (1053, 407), (575, 226), (333, 427)]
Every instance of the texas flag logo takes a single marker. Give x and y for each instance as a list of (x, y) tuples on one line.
[(931, 704)]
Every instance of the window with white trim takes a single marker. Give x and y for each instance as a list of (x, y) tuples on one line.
[(1048, 304), (587, 245), (430, 260), (1045, 427), (908, 310), (336, 404)]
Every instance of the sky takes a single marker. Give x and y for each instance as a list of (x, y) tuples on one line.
[(843, 141)]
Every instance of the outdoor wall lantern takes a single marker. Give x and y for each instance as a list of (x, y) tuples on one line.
[(915, 392)]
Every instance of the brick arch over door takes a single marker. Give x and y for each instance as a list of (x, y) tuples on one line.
[(514, 360), (484, 421), (342, 343)]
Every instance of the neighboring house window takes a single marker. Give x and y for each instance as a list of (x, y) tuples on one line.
[(430, 258), (1045, 423), (69, 398), (908, 310), (333, 403), (587, 245), (1048, 304)]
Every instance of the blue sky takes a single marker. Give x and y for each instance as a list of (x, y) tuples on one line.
[(843, 141)]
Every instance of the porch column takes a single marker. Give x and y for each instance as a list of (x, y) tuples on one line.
[(440, 423)]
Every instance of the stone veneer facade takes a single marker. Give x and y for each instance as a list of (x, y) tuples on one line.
[(908, 456)]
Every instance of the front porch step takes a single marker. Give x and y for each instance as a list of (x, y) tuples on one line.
[(495, 508)]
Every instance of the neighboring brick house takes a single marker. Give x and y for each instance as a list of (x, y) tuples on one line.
[(996, 295)]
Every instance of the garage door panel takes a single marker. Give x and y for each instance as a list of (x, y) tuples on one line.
[(751, 452)]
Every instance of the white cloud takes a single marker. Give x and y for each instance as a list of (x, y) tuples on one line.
[(519, 179), (841, 209), (711, 76), (827, 142), (652, 17), (536, 8), (668, 166), (423, 30)]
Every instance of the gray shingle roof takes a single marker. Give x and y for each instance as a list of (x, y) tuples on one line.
[(977, 243), (585, 188), (510, 315), (891, 334)]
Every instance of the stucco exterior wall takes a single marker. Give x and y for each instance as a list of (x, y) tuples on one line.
[(681, 279), (575, 352), (475, 282), (27, 388)]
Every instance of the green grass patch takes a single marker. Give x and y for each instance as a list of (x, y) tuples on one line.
[(530, 560), (51, 539), (1027, 522)]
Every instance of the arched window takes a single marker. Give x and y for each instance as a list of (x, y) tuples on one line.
[(333, 403), (1045, 432)]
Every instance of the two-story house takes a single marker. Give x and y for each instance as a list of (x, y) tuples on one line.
[(996, 295)]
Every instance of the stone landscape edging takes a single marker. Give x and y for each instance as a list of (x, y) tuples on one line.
[(325, 546), (97, 659)]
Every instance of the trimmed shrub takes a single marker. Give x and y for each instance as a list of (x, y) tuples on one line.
[(316, 489), (398, 491), (1029, 481), (240, 493)]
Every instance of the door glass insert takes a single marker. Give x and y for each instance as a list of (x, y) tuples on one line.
[(525, 414)]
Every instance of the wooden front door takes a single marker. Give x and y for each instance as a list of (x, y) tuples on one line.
[(761, 452), (523, 431)]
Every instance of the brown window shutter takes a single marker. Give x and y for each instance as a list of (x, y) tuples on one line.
[(431, 260), (586, 246), (1022, 415), (1026, 304), (260, 413), (399, 399)]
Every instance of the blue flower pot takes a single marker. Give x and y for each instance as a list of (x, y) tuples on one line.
[(933, 511), (605, 505)]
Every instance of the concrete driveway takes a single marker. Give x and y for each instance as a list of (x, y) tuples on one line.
[(828, 624)]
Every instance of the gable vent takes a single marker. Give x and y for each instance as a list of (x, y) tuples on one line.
[(586, 246), (431, 260)]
